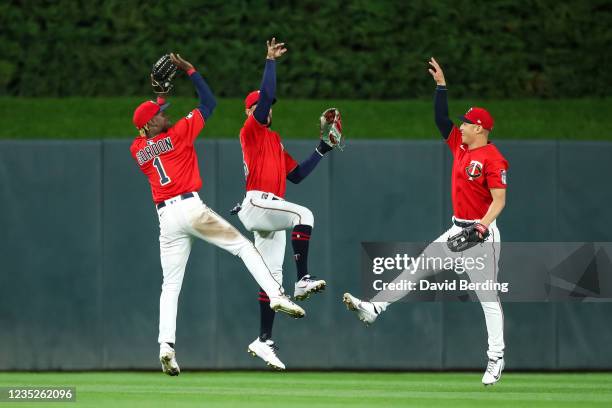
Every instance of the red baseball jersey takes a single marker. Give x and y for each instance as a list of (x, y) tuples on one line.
[(474, 173), (169, 159), (266, 162)]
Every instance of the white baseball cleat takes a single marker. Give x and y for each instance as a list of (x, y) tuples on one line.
[(366, 311), (266, 350), (283, 304), (307, 286), (167, 358), (494, 371)]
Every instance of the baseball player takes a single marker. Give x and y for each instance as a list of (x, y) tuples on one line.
[(264, 211), (165, 154), (478, 195)]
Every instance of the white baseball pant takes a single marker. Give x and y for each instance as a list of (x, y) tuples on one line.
[(268, 216), (489, 251), (180, 220)]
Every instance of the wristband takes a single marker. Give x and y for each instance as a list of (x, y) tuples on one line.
[(323, 148)]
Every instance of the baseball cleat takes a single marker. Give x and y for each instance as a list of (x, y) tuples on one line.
[(283, 304), (494, 371), (167, 358), (266, 350), (366, 311), (307, 286)]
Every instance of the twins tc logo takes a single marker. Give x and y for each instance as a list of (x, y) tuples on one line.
[(474, 170)]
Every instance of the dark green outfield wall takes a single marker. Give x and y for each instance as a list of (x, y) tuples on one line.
[(80, 274), (337, 49)]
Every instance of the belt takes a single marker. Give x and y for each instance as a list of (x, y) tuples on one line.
[(263, 195), (266, 196), (182, 197), (463, 224)]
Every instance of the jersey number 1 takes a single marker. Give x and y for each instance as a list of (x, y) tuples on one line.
[(163, 179)]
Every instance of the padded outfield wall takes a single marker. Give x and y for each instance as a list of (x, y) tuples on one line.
[(81, 274)]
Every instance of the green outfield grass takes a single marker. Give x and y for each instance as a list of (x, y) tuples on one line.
[(269, 389), (94, 118)]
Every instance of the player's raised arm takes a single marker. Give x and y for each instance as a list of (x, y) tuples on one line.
[(207, 99), (267, 92), (444, 124)]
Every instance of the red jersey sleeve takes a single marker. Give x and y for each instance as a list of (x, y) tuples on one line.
[(190, 126), (290, 163), (496, 172), (251, 124), (136, 145), (454, 139)]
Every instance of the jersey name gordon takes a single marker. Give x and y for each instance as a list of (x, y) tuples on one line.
[(152, 150)]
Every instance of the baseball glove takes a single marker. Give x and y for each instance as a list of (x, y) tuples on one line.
[(331, 128), (468, 237), (161, 75)]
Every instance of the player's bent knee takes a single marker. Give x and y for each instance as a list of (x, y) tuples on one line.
[(306, 217)]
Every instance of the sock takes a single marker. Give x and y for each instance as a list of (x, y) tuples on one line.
[(267, 316), (300, 238)]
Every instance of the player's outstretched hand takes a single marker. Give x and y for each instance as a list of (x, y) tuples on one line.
[(275, 49), (180, 62), (436, 72)]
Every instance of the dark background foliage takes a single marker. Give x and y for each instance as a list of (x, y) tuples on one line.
[(350, 49)]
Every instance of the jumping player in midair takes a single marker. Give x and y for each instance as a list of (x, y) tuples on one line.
[(166, 155), (264, 211), (479, 196)]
